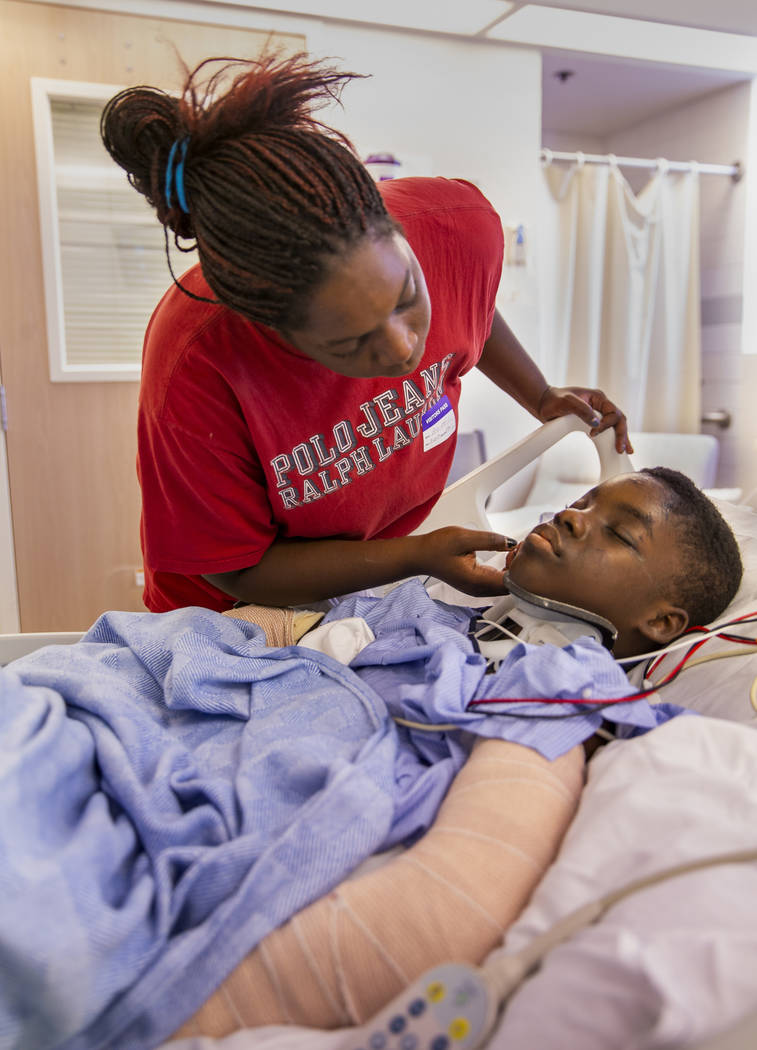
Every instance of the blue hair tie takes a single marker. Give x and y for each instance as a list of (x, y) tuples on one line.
[(177, 177)]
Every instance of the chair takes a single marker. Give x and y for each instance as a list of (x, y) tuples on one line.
[(470, 452)]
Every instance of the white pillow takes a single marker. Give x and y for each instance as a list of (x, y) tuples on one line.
[(743, 521), (721, 688), (674, 963)]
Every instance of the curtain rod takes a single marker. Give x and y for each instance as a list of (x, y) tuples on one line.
[(736, 170)]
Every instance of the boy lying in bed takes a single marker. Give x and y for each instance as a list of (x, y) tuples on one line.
[(647, 551)]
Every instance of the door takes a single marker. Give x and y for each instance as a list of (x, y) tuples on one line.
[(9, 618)]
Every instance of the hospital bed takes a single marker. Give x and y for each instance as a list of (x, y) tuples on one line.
[(691, 976), (687, 779)]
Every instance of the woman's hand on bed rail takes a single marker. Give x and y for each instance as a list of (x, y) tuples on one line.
[(505, 361), (592, 406)]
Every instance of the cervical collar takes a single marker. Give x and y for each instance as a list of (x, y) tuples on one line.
[(542, 620)]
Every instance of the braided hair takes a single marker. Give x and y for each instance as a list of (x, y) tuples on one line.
[(270, 193)]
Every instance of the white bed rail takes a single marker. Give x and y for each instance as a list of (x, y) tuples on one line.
[(13, 646), (464, 502)]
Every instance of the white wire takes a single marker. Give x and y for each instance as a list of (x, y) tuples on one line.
[(447, 727), (507, 971), (682, 643), (500, 627), (723, 654), (690, 639), (431, 727)]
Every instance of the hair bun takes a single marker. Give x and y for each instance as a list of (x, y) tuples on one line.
[(138, 126)]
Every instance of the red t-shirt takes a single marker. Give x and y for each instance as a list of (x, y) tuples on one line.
[(243, 439)]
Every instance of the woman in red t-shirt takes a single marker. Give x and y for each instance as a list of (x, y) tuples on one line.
[(298, 402)]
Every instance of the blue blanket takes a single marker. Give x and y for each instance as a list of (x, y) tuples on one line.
[(171, 790)]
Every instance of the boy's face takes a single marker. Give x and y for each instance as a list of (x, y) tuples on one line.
[(612, 552)]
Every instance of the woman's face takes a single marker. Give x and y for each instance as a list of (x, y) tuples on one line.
[(371, 315)]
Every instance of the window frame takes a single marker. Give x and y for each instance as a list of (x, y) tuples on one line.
[(45, 91)]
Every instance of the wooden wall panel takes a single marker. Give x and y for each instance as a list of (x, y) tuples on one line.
[(72, 446)]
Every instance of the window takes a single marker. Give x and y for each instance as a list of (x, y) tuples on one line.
[(103, 249)]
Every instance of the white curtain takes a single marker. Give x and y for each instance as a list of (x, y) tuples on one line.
[(619, 290)]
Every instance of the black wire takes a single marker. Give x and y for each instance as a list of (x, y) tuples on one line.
[(582, 713), (716, 634), (586, 709)]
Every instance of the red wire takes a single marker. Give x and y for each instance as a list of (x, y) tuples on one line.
[(681, 662), (721, 634), (632, 696), (558, 700)]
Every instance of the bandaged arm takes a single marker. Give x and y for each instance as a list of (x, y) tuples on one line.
[(451, 896)]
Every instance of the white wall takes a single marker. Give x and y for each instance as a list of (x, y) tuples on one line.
[(713, 130), (473, 108), (572, 142), (749, 329), (454, 108)]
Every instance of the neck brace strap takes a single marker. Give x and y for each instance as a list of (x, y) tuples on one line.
[(536, 607)]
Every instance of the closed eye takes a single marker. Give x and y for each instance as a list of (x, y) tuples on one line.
[(360, 342), (407, 303), (354, 350), (620, 536)]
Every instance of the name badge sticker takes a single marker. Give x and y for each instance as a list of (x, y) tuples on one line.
[(438, 423)]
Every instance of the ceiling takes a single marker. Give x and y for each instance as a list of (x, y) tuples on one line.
[(482, 17), (607, 94), (479, 17), (728, 16), (604, 93)]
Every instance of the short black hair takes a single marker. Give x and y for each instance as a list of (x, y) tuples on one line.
[(711, 568)]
